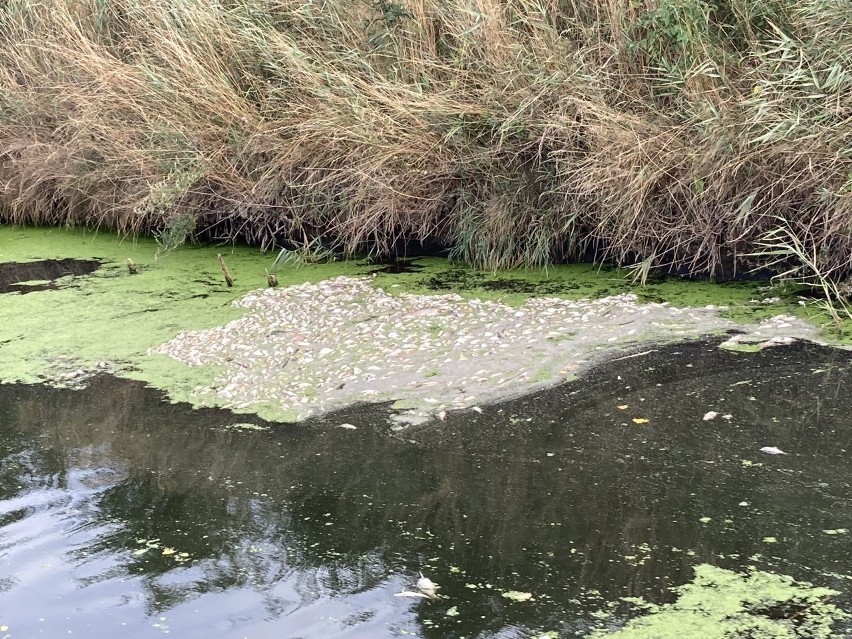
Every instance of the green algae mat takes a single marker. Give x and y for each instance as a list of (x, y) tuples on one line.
[(111, 317), (723, 604), (106, 318)]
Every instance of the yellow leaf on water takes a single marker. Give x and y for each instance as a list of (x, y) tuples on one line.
[(622, 407), (640, 420), (516, 595), (169, 551)]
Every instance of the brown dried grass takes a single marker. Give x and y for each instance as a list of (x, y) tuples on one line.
[(516, 132)]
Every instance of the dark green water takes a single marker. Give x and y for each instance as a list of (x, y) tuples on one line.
[(309, 531)]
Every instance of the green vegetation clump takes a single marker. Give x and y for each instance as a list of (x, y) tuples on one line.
[(682, 132), (721, 604)]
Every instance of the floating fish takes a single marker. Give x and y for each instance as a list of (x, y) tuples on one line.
[(424, 583), (772, 450), (710, 415), (427, 586)]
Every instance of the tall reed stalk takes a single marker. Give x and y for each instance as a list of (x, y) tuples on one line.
[(516, 132)]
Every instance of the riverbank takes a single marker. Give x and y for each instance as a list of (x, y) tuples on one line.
[(701, 135)]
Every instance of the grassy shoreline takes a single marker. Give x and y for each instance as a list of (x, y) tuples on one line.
[(658, 132)]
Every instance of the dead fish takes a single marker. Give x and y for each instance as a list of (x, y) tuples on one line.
[(409, 593), (427, 586), (710, 415), (348, 426), (772, 450)]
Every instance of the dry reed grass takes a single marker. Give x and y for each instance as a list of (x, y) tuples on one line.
[(516, 132)]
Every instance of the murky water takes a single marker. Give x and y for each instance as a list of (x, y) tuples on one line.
[(28, 277), (122, 516)]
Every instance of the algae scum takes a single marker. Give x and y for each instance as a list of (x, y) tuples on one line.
[(634, 502), (60, 326)]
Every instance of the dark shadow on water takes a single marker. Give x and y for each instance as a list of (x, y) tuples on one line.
[(312, 528), (459, 277), (528, 287), (15, 275), (394, 266)]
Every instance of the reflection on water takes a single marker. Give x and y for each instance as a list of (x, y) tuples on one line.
[(121, 515)]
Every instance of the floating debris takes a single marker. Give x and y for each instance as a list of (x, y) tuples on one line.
[(244, 426), (722, 604), (427, 586), (710, 415), (312, 348), (772, 450), (517, 595), (409, 593)]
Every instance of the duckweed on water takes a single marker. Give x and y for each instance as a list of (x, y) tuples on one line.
[(112, 317), (722, 604), (107, 320), (741, 347)]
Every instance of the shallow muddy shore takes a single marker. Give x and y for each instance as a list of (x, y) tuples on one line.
[(429, 337)]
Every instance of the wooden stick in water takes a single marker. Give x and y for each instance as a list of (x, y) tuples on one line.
[(228, 279)]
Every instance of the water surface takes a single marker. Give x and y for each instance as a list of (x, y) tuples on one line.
[(123, 516), (27, 277)]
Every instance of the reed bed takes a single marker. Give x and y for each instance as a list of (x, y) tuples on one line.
[(683, 133)]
